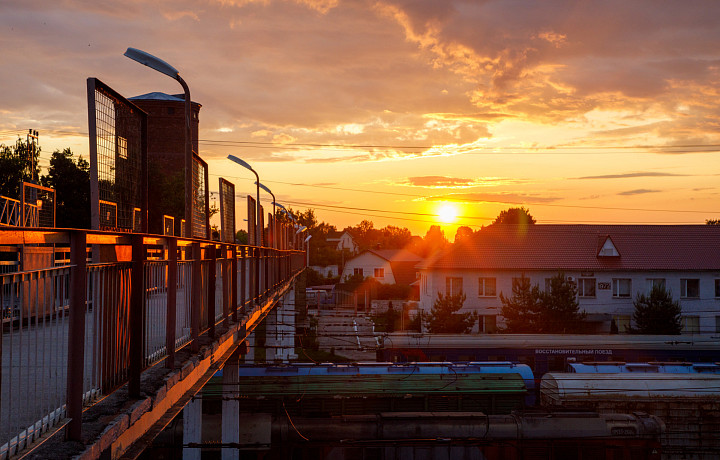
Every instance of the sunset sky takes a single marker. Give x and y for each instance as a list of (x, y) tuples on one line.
[(583, 112)]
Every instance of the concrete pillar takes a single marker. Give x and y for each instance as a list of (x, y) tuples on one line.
[(280, 330), (231, 408), (192, 429), (250, 356)]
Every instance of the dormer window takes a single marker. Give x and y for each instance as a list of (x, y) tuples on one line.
[(608, 249)]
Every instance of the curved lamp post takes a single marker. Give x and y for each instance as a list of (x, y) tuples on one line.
[(245, 165), (273, 213), (307, 240), (161, 66)]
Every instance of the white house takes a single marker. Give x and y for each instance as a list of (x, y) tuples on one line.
[(610, 264), (344, 240), (388, 266)]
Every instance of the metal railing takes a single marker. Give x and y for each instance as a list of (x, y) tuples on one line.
[(74, 333), (9, 211)]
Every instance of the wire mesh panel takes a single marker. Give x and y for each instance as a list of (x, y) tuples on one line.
[(40, 202), (155, 311), (200, 198), (183, 304), (118, 158), (109, 303), (227, 211), (33, 362)]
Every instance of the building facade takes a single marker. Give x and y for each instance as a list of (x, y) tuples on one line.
[(388, 266), (610, 266)]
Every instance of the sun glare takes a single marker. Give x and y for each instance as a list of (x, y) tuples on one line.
[(447, 213)]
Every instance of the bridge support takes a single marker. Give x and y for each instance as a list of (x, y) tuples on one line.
[(192, 429), (231, 407), (280, 335)]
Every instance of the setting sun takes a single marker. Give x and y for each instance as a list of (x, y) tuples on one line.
[(447, 213)]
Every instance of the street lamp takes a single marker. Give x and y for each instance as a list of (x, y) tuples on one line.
[(245, 165), (273, 213), (307, 240), (163, 67)]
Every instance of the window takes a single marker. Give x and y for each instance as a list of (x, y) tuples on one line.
[(358, 271), (690, 324), (655, 282), (122, 148), (623, 323), (717, 288), (379, 273), (453, 286), (690, 288), (586, 287), (621, 287), (486, 287)]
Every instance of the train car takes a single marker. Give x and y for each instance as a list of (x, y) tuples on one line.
[(610, 367), (545, 352), (339, 389)]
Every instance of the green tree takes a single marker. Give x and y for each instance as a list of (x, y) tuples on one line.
[(523, 311), (387, 321), (444, 317), (560, 311), (71, 180), (531, 310), (657, 313), (15, 168), (515, 216)]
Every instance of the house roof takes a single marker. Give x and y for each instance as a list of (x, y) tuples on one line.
[(396, 255), (402, 263), (578, 247)]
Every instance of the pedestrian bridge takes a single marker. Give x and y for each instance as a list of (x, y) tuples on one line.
[(109, 335)]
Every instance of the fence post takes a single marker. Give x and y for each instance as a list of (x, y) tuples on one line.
[(243, 280), (76, 333), (196, 297), (256, 281), (137, 313), (234, 284), (171, 314), (226, 283), (212, 272)]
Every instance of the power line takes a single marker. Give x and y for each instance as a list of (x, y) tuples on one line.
[(471, 200)]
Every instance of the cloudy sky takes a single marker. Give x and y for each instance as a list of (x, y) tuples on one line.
[(583, 111)]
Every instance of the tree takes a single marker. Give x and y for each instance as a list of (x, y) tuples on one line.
[(15, 168), (531, 310), (522, 311), (71, 181), (560, 308), (463, 234), (444, 319), (515, 216), (657, 313), (434, 241)]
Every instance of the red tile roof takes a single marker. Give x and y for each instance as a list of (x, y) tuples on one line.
[(575, 247)]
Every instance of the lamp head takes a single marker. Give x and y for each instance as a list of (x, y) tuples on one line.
[(153, 62), (240, 161), (303, 228), (308, 238), (264, 188)]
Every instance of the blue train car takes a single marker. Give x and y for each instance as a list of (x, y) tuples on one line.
[(548, 353)]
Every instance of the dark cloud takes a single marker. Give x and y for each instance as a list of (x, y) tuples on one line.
[(640, 191), (633, 175)]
